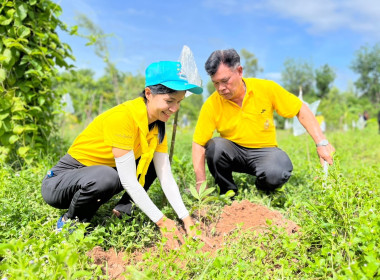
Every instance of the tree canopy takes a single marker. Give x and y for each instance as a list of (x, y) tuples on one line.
[(367, 64)]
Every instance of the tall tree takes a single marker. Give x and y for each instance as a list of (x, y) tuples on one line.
[(298, 74), (30, 50), (250, 63), (324, 77), (99, 39), (84, 90), (367, 65)]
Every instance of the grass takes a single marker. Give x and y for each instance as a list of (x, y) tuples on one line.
[(338, 217)]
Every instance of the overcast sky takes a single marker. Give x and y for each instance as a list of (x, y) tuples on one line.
[(145, 31)]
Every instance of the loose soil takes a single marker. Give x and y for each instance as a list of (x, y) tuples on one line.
[(244, 215)]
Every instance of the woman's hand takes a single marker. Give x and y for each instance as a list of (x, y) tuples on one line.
[(170, 231), (191, 230)]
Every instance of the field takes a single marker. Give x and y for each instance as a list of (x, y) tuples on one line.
[(338, 218)]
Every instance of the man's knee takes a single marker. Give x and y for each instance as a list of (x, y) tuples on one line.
[(275, 179), (276, 173), (215, 148)]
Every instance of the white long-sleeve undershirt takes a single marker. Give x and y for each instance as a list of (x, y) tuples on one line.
[(126, 167)]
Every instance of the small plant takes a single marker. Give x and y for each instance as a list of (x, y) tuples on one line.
[(203, 197)]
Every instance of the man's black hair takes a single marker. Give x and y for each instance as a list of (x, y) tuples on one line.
[(228, 57)]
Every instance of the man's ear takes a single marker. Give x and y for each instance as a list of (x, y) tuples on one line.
[(240, 70)]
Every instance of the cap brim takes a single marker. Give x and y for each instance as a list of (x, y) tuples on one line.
[(178, 85)]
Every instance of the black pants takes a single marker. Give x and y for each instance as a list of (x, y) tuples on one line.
[(83, 189), (271, 166)]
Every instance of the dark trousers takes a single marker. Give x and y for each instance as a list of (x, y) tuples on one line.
[(271, 166), (83, 189)]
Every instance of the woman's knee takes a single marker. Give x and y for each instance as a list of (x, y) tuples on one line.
[(105, 179)]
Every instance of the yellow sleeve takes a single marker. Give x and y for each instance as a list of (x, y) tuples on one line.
[(119, 130), (163, 147), (205, 125), (285, 103)]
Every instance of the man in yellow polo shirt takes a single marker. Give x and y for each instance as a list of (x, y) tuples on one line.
[(241, 111)]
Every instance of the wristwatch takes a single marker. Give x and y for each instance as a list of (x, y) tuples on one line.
[(324, 142)]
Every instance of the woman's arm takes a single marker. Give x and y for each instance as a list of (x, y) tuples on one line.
[(170, 188), (168, 184), (126, 168)]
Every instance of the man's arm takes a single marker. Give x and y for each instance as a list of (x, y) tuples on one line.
[(310, 123), (199, 164)]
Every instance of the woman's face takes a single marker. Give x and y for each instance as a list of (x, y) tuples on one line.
[(162, 106)]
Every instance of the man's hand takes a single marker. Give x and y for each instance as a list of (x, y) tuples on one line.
[(191, 230), (170, 231), (198, 155), (326, 153)]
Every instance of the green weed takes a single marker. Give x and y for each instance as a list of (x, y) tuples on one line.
[(338, 239)]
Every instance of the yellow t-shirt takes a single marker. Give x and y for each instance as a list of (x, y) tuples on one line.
[(120, 127), (252, 124)]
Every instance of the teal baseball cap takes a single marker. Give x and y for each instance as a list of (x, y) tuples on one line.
[(169, 74)]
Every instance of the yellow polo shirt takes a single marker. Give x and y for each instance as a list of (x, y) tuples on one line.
[(121, 127), (252, 124)]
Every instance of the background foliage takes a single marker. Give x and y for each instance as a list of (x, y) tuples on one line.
[(30, 51)]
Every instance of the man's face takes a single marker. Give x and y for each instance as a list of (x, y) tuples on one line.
[(227, 81)]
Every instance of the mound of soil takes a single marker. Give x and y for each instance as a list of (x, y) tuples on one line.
[(242, 214)]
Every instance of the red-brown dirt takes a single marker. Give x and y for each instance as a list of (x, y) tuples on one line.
[(243, 214)]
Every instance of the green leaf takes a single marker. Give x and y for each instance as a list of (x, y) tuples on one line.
[(210, 198), (35, 108), (7, 125), (194, 192), (13, 139), (4, 116), (18, 105), (74, 30), (230, 193), (18, 129), (7, 55), (22, 11), (203, 187), (5, 103), (3, 75), (4, 20), (30, 127), (207, 192), (41, 100), (32, 2), (81, 273), (22, 151), (23, 31)]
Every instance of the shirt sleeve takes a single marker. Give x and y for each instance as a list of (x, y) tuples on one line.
[(285, 103), (205, 125), (163, 146), (126, 168), (168, 184), (119, 131)]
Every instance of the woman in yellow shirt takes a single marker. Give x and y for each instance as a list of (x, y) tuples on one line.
[(124, 148)]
